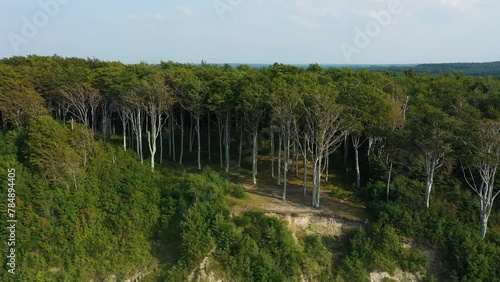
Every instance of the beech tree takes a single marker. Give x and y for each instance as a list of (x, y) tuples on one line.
[(326, 129), (18, 103), (367, 109), (284, 99), (431, 130), (157, 99), (481, 167), (83, 100), (191, 93), (254, 104)]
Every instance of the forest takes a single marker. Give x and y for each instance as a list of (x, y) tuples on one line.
[(128, 169), (474, 69)]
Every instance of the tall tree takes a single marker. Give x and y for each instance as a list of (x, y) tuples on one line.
[(481, 166), (431, 130), (157, 100), (284, 99), (325, 128), (254, 97)]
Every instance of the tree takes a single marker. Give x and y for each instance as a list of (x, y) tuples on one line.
[(284, 100), (83, 99), (481, 167), (18, 103), (431, 130), (326, 129), (367, 113), (221, 100), (191, 92), (157, 100), (254, 104), (58, 153)]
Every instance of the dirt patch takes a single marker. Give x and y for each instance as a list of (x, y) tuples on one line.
[(268, 198)]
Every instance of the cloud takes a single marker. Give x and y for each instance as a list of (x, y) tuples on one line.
[(187, 11)]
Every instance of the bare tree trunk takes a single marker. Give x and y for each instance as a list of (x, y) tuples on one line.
[(430, 180), (484, 225), (272, 153), (287, 159), (317, 182), (280, 140), (170, 123), (254, 157), (199, 140), (428, 188), (209, 146), (191, 135), (139, 133), (172, 129), (356, 142), (182, 136), (228, 140), (304, 183), (161, 146), (241, 144), (327, 166), (219, 124)]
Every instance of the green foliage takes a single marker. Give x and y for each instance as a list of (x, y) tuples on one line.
[(104, 227), (238, 191), (258, 248)]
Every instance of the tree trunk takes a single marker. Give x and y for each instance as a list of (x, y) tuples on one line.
[(285, 169), (161, 146), (191, 135), (484, 225), (272, 153), (219, 124), (327, 166), (356, 142), (228, 137), (296, 154), (428, 189), (199, 140), (240, 149), (170, 136), (208, 133), (280, 140), (139, 133), (304, 183), (181, 155), (254, 157), (124, 124), (172, 129)]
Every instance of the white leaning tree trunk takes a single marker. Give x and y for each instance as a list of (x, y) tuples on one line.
[(432, 163)]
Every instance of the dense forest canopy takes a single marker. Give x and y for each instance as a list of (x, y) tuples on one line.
[(417, 144)]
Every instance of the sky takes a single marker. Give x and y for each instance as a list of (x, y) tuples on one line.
[(254, 31)]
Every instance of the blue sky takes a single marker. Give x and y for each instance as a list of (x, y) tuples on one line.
[(254, 31)]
